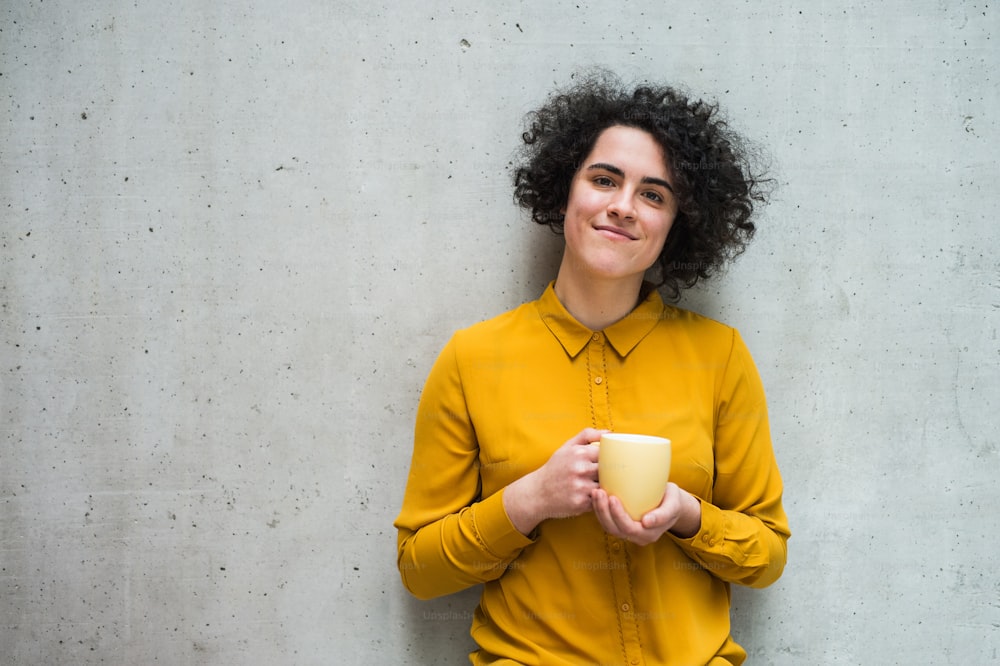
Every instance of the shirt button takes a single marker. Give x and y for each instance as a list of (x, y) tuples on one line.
[(616, 546), (598, 380), (597, 336), (625, 608)]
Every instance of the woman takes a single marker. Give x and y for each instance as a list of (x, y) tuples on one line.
[(638, 182)]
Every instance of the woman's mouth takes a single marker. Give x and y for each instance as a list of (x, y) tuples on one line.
[(615, 233)]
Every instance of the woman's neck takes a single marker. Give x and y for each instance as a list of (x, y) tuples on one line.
[(597, 303)]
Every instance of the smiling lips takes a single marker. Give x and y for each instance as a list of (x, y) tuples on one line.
[(617, 231)]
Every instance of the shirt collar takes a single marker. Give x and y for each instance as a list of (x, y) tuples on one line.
[(623, 335)]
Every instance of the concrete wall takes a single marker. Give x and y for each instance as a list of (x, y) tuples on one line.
[(235, 236)]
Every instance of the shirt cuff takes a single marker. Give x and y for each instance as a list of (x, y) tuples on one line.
[(495, 531), (713, 529)]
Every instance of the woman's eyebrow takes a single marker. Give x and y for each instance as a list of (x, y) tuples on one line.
[(604, 166)]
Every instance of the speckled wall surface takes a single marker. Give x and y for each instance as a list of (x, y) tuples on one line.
[(235, 235)]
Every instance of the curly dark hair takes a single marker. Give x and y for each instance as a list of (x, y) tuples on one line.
[(715, 183)]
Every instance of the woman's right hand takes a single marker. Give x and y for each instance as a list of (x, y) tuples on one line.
[(558, 489)]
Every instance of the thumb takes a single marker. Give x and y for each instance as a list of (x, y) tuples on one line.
[(589, 436)]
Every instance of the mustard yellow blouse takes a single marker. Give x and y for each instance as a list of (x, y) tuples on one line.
[(502, 396)]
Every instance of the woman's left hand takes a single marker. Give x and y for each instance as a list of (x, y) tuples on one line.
[(679, 512)]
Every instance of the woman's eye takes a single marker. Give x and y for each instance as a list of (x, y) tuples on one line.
[(654, 196), (603, 181)]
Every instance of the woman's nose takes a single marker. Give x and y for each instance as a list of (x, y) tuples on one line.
[(622, 205)]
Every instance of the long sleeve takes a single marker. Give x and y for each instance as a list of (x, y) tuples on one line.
[(449, 537), (744, 528)]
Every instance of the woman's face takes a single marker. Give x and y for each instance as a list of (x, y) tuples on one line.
[(620, 207)]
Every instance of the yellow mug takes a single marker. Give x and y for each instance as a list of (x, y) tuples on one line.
[(635, 469)]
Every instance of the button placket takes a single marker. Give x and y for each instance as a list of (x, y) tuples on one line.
[(621, 581), (617, 550), (597, 372)]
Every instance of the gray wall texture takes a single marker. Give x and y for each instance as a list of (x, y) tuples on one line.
[(236, 235)]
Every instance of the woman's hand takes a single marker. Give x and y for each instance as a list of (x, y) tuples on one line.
[(679, 512), (560, 488)]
